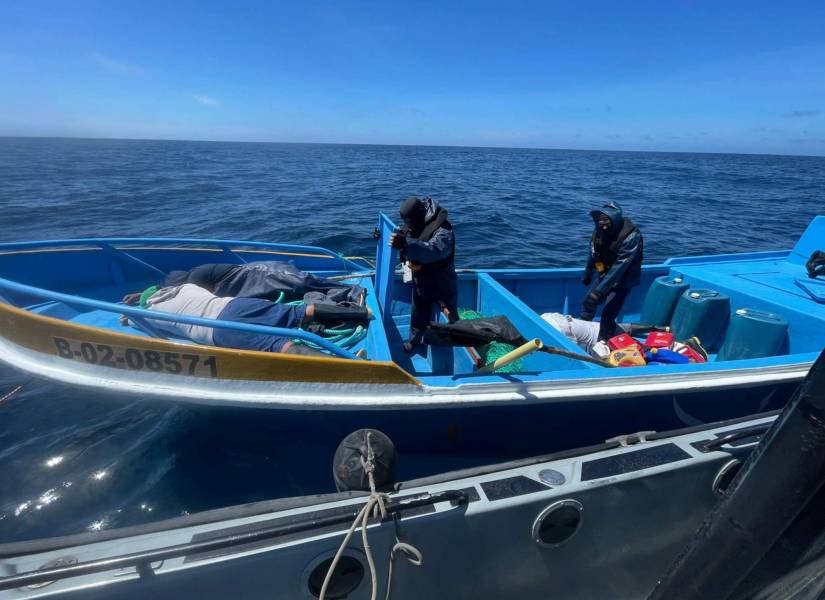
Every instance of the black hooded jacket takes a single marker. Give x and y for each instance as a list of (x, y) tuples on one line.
[(265, 279), (430, 249), (619, 250)]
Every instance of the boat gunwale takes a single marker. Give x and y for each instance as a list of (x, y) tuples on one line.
[(123, 309), (7, 248)]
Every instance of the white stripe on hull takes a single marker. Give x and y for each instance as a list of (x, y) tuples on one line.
[(331, 396)]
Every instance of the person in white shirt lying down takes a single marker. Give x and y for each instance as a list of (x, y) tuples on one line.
[(585, 334), (194, 301)]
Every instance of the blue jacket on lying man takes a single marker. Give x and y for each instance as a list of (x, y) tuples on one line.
[(616, 253)]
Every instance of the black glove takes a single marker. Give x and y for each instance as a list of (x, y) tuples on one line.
[(587, 278), (816, 264), (590, 305), (398, 241)]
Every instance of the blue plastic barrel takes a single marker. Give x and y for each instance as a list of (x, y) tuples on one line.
[(701, 313), (754, 334), (661, 299)]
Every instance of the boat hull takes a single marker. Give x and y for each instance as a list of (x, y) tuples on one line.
[(443, 428), (636, 507), (433, 441)]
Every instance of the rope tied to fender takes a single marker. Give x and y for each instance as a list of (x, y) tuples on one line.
[(374, 508)]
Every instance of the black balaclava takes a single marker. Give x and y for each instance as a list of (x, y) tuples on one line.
[(414, 213), (605, 225), (614, 214)]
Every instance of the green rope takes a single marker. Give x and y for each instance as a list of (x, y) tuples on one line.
[(343, 337), (494, 350)]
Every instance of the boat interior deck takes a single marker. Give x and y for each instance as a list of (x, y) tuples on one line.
[(763, 281), (106, 270)]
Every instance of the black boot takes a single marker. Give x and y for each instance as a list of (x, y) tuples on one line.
[(335, 313), (416, 337)]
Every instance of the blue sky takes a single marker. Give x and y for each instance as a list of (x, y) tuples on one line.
[(661, 75)]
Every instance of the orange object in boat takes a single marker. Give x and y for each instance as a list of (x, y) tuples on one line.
[(627, 357)]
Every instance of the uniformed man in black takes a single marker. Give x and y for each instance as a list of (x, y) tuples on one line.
[(427, 246), (616, 249)]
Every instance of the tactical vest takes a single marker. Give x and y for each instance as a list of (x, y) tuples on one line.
[(606, 254), (439, 221)]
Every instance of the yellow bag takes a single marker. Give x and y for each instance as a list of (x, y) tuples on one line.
[(627, 357)]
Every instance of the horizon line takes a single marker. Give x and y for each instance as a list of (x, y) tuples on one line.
[(490, 147)]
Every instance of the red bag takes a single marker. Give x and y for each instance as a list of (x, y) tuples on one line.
[(622, 341), (659, 339)]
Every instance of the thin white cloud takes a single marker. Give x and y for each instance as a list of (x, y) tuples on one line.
[(205, 100), (803, 114), (116, 66)]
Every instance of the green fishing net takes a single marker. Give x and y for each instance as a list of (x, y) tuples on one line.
[(494, 350)]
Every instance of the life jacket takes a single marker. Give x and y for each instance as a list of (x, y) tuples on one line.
[(437, 222), (604, 255)]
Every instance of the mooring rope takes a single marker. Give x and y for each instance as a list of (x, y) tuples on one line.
[(411, 553), (376, 508)]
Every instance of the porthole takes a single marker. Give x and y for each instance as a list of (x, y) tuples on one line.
[(348, 575), (557, 523), (552, 477), (725, 476)]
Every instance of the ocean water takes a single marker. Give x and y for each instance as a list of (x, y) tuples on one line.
[(73, 461)]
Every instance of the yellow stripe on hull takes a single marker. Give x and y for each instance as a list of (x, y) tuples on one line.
[(92, 345)]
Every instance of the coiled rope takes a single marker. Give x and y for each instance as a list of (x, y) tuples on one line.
[(344, 337), (374, 508)]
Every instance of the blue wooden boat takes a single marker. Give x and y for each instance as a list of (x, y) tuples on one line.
[(59, 319)]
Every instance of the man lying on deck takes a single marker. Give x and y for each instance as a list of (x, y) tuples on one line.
[(194, 301), (266, 279), (585, 334)]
